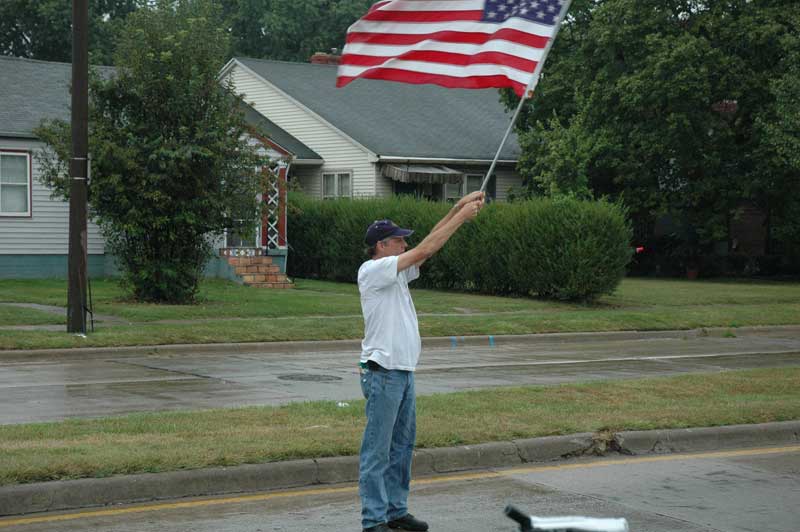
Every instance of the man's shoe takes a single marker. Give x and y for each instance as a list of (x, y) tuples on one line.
[(409, 522), (377, 528)]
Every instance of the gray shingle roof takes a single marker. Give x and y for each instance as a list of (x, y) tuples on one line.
[(278, 135), (398, 119), (31, 91)]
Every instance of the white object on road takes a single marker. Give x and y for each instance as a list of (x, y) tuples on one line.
[(585, 524)]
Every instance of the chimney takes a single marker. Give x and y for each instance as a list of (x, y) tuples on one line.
[(322, 58)]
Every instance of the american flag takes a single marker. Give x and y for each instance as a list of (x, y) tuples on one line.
[(472, 44)]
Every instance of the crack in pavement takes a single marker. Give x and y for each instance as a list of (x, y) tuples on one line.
[(177, 371)]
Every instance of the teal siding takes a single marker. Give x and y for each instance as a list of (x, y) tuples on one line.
[(279, 257), (51, 266), (219, 267), (55, 266)]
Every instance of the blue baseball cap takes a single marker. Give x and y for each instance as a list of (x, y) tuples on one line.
[(381, 229)]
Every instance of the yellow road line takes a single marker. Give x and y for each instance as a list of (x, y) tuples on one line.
[(173, 506), (605, 463), (5, 523)]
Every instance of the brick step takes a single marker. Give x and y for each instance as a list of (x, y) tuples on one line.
[(285, 284), (259, 272), (257, 268), (250, 261), (250, 278)]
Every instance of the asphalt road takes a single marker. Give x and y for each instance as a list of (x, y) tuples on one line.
[(44, 388), (749, 490)]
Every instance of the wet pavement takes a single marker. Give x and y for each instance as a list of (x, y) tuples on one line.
[(43, 388), (752, 490)]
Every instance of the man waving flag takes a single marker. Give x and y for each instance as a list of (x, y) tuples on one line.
[(469, 44)]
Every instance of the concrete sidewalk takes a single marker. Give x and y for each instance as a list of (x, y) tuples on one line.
[(66, 495), (427, 343)]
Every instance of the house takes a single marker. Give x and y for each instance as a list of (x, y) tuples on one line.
[(34, 228), (370, 138), (377, 138)]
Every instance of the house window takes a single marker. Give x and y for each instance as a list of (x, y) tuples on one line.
[(242, 237), (471, 182), (452, 191), (336, 185), (15, 184), (474, 183)]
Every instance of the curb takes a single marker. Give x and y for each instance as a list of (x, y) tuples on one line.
[(311, 346), (126, 489)]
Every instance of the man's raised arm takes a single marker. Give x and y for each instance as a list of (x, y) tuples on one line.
[(466, 209)]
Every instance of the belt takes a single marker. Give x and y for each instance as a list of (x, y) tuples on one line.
[(371, 365)]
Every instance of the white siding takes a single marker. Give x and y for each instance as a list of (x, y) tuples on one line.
[(338, 151), (383, 185), (506, 178), (46, 231), (309, 179)]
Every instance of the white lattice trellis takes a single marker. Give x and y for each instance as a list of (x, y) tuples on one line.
[(273, 200), (274, 226)]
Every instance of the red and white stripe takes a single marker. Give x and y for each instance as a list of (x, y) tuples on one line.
[(442, 42)]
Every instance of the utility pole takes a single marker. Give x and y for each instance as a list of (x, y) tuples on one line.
[(78, 169)]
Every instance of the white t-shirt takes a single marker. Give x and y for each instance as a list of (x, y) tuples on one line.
[(391, 331)]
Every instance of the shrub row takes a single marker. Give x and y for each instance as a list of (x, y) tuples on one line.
[(554, 248)]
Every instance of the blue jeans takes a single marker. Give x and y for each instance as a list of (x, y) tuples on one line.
[(387, 446)]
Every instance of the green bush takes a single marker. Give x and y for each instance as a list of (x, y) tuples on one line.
[(171, 161), (555, 248)]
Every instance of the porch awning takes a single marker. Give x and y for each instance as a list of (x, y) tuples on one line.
[(421, 173)]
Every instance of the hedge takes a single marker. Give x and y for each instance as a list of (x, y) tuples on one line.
[(555, 248)]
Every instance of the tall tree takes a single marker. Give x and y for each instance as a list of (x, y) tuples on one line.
[(171, 164), (291, 30), (42, 29), (779, 127), (659, 102)]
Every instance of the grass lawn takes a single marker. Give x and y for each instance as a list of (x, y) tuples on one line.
[(10, 315), (154, 442), (318, 310)]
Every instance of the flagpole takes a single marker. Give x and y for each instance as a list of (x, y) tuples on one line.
[(531, 85)]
